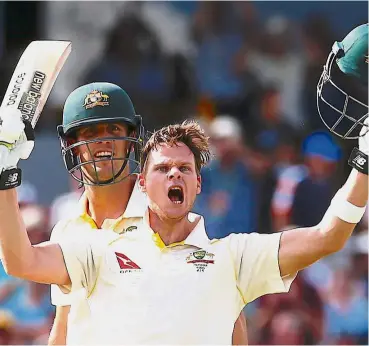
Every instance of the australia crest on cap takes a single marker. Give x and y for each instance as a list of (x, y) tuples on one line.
[(96, 98)]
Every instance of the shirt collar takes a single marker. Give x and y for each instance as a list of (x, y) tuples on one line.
[(137, 203), (197, 237)]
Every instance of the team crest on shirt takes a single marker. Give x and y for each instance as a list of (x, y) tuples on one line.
[(200, 259)]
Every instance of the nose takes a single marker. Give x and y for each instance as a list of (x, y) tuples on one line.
[(103, 132), (174, 173)]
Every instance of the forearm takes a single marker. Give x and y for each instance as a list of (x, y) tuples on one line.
[(16, 249), (355, 191)]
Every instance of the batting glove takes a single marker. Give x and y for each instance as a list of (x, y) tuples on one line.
[(16, 142), (359, 157)]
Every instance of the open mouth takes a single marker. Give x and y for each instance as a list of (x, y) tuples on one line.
[(175, 194), (106, 154)]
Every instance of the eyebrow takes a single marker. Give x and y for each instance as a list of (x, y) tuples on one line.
[(171, 162)]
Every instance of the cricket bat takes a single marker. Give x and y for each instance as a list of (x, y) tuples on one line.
[(34, 77)]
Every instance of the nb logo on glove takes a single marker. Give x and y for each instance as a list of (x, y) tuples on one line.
[(361, 161), (12, 178), (358, 160)]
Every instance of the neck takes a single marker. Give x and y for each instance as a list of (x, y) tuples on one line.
[(171, 230), (110, 201)]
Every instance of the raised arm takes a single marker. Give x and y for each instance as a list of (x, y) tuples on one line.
[(303, 246), (42, 263)]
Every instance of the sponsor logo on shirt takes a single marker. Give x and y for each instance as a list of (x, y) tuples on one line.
[(126, 265)]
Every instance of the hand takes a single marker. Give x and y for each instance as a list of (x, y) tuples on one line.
[(364, 139), (16, 140)]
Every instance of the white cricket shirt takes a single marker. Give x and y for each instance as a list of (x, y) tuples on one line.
[(83, 223), (143, 292)]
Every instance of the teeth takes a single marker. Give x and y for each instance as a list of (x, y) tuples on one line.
[(177, 202), (103, 153)]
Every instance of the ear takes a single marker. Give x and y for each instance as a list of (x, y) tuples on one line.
[(198, 190), (142, 182)]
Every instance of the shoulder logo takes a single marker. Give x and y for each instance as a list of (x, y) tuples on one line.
[(125, 263), (128, 229), (96, 98)]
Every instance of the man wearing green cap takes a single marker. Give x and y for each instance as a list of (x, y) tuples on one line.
[(101, 137)]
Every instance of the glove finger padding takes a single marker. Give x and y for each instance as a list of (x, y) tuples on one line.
[(11, 153), (24, 146), (12, 126), (4, 157)]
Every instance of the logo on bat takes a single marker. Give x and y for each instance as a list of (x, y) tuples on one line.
[(96, 98)]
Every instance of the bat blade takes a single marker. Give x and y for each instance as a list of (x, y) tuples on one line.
[(34, 77)]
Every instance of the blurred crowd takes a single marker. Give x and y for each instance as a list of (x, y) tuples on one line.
[(251, 83)]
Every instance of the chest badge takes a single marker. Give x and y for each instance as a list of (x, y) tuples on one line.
[(200, 259)]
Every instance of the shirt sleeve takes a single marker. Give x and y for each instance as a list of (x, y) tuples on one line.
[(58, 297), (257, 265), (82, 257)]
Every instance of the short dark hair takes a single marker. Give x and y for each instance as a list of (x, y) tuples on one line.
[(189, 133)]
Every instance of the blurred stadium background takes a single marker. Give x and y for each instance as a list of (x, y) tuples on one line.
[(248, 72)]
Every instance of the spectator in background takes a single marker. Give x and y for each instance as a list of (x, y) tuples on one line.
[(249, 24), (278, 144), (268, 126), (314, 193), (317, 38), (303, 304), (360, 261), (27, 193), (133, 59), (346, 311), (217, 41), (11, 288), (278, 62), (288, 327), (304, 191), (8, 333), (65, 205), (228, 199)]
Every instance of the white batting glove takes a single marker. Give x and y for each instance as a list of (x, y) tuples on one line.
[(16, 142)]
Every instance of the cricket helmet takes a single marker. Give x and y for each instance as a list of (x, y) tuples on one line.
[(342, 90), (93, 104)]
